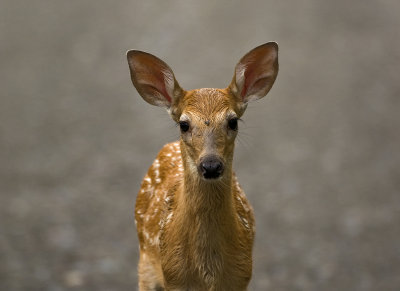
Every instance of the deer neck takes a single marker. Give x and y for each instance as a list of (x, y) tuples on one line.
[(208, 202)]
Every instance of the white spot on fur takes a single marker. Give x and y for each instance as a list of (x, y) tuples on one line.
[(155, 240), (244, 221), (169, 217)]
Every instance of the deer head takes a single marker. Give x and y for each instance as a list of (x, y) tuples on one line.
[(208, 118)]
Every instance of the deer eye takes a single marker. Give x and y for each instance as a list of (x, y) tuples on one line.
[(233, 123), (184, 125)]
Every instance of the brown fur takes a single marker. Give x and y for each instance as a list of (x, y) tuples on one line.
[(206, 242), (197, 233)]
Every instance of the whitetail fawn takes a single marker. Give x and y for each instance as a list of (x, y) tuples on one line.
[(194, 223)]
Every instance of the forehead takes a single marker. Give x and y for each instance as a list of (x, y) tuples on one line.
[(207, 102)]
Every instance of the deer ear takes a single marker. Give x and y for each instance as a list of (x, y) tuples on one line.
[(256, 73), (153, 79)]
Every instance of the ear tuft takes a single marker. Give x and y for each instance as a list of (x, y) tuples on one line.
[(153, 79), (256, 73)]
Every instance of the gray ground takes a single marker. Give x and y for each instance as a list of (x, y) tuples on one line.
[(319, 158)]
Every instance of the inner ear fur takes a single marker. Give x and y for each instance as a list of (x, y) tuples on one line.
[(255, 73), (153, 79)]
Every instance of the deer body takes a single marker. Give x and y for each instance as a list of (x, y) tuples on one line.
[(195, 225)]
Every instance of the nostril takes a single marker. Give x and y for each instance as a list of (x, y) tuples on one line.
[(211, 168)]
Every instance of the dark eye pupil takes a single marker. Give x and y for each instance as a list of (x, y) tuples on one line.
[(184, 125), (232, 123)]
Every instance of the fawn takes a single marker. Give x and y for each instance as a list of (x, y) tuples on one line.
[(194, 223)]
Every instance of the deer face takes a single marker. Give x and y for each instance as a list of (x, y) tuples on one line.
[(207, 117), (208, 123)]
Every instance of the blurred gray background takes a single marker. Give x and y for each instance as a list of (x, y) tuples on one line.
[(318, 158)]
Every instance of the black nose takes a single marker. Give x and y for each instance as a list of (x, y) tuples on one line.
[(211, 167)]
